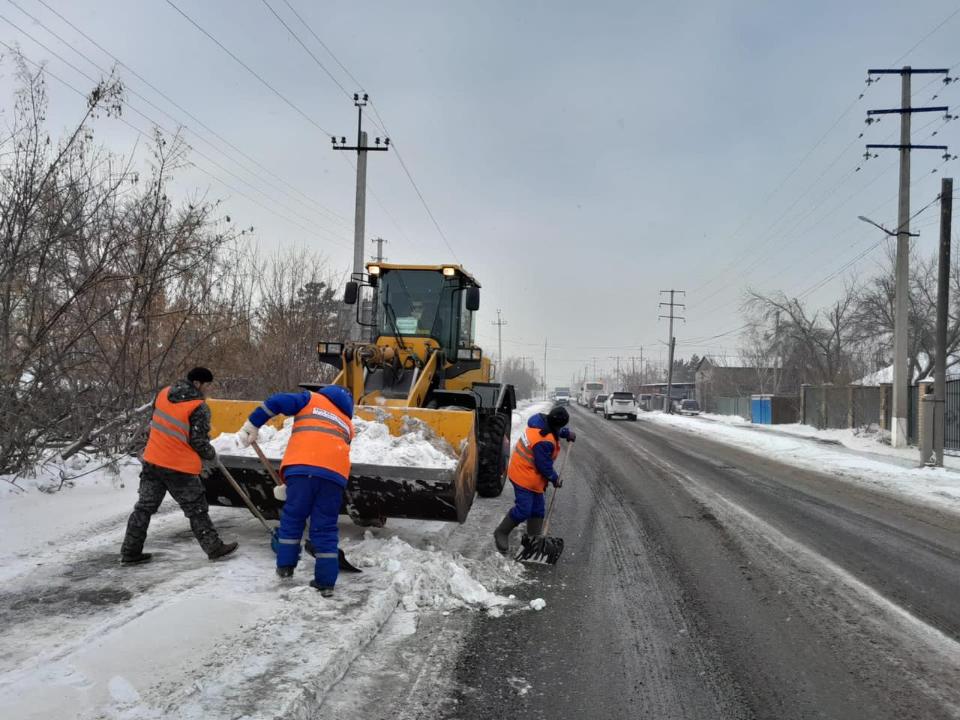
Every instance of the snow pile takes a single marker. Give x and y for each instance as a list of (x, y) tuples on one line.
[(80, 470), (896, 473), (538, 604), (433, 579), (417, 446)]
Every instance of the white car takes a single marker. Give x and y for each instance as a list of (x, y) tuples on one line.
[(623, 404), (598, 403), (689, 407)]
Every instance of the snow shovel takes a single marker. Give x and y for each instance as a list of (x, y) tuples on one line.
[(543, 549), (344, 564), (246, 498)]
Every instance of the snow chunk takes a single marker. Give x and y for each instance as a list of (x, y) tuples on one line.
[(417, 446), (435, 579), (538, 604)]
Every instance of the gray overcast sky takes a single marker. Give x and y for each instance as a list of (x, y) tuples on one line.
[(579, 157)]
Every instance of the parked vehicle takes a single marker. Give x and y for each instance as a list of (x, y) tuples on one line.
[(598, 402), (689, 407), (620, 403)]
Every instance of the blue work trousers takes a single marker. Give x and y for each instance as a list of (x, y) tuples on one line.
[(527, 504), (319, 500)]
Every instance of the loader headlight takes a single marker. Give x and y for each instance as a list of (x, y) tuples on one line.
[(467, 353), (449, 271), (329, 348), (374, 269)]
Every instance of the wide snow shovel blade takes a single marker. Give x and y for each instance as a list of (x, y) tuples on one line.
[(539, 549)]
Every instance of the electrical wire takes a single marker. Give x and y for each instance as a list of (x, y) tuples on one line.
[(336, 217)]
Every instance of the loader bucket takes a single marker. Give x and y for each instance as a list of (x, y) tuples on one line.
[(374, 492)]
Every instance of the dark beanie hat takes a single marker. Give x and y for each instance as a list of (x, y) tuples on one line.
[(200, 374), (558, 418)]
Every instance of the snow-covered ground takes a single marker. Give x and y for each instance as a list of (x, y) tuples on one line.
[(183, 637), (846, 454)]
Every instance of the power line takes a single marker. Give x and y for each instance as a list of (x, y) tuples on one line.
[(308, 51), (383, 126), (154, 122), (316, 37), (316, 227), (333, 215), (250, 70), (133, 127)]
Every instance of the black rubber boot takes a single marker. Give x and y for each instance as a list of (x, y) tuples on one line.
[(285, 572), (137, 559), (501, 536), (324, 591), (535, 526), (222, 550)]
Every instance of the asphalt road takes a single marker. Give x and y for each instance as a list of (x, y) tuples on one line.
[(699, 581)]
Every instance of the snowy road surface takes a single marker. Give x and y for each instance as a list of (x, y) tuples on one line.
[(699, 581)]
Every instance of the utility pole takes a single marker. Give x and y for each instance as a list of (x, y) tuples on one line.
[(616, 379), (594, 367), (943, 299), (668, 404), (544, 368), (901, 295), (499, 323), (379, 256), (359, 218)]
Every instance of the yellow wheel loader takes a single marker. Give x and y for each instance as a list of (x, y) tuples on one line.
[(422, 367)]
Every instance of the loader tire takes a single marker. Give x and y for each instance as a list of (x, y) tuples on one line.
[(493, 454)]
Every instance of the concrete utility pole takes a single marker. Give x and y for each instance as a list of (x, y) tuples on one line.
[(499, 323), (544, 368), (943, 299), (379, 256), (359, 218), (901, 381), (616, 379), (668, 402)]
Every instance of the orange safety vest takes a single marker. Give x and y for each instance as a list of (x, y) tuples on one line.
[(168, 445), (523, 470), (321, 437)]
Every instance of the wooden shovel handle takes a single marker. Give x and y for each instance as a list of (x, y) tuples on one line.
[(553, 498), (266, 463)]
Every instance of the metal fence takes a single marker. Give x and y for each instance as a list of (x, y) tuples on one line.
[(734, 406), (840, 406)]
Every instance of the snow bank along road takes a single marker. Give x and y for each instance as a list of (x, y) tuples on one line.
[(701, 581)]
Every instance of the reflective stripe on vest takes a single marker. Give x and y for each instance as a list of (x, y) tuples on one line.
[(168, 445), (523, 469), (320, 437)]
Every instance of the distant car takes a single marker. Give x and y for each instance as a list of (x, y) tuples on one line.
[(689, 407), (562, 398), (620, 403), (598, 402)]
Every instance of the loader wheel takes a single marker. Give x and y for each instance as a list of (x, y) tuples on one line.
[(494, 454)]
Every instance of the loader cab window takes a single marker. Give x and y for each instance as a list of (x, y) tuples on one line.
[(466, 323), (420, 303)]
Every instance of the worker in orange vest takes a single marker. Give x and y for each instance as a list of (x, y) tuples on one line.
[(315, 469), (531, 469), (177, 447)]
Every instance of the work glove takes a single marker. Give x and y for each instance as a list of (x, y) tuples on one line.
[(207, 466), (568, 435), (247, 435), (556, 481)]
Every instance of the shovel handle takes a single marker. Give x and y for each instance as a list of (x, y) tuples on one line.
[(243, 496), (553, 498), (266, 463)]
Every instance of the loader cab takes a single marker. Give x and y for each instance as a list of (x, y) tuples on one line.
[(424, 303)]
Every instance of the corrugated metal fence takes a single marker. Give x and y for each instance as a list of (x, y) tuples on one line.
[(734, 406)]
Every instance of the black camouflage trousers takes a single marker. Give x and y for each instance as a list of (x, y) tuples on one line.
[(187, 490)]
